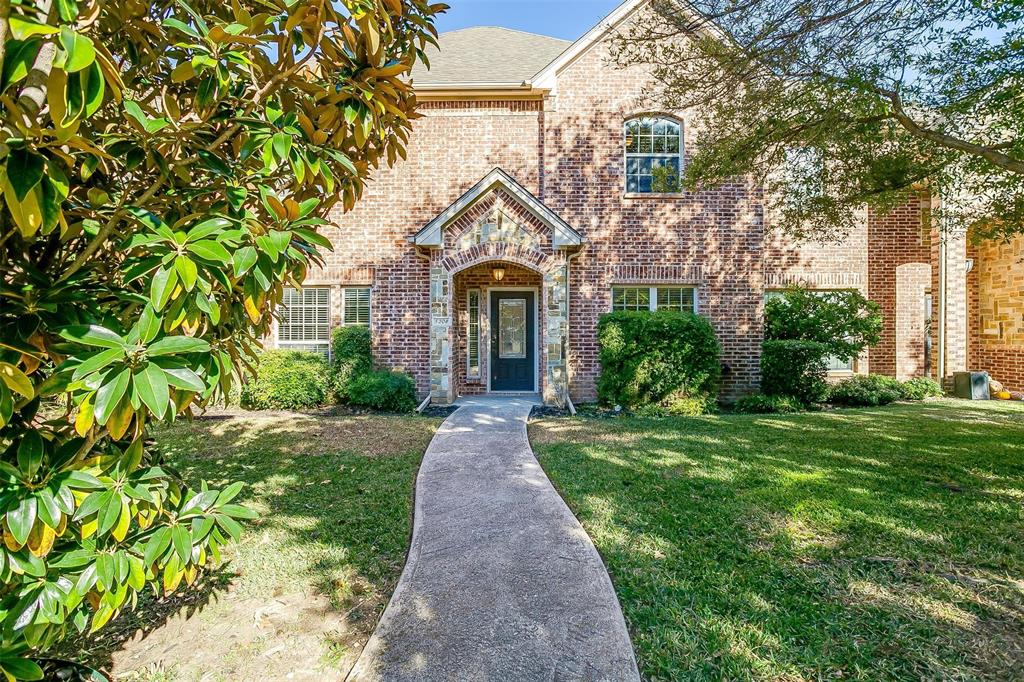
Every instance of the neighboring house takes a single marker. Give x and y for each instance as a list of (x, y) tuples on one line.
[(525, 211)]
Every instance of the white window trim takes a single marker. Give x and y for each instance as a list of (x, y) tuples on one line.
[(478, 374), (653, 294), (626, 154), (369, 306), (285, 345)]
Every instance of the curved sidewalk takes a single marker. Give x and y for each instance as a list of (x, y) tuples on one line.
[(502, 582)]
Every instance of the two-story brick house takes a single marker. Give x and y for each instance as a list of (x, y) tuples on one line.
[(524, 212)]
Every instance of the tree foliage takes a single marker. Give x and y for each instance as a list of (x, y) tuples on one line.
[(845, 322), (165, 167), (834, 104)]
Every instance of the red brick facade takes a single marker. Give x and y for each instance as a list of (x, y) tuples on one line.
[(564, 145)]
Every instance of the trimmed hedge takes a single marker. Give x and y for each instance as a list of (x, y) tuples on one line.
[(384, 391), (287, 380), (352, 348), (649, 357), (875, 390), (795, 369)]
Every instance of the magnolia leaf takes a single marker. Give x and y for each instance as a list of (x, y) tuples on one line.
[(30, 454), (184, 378), (21, 519), (164, 282), (93, 335), (177, 345), (24, 171), (244, 259), (187, 271), (110, 394), (78, 50), (16, 380), (22, 28), (151, 384), (211, 251)]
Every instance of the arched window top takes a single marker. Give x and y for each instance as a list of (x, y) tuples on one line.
[(654, 154)]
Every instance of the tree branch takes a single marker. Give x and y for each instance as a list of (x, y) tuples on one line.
[(990, 154)]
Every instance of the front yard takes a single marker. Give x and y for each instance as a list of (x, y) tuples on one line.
[(300, 594), (868, 544)]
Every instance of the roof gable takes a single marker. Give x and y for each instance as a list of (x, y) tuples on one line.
[(562, 234), (487, 55)]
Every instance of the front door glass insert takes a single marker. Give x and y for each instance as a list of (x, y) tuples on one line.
[(512, 329)]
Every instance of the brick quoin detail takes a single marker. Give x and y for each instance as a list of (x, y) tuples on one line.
[(567, 150)]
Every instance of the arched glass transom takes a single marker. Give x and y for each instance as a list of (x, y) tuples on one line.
[(654, 155)]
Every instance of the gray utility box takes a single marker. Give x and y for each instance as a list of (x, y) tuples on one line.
[(971, 385)]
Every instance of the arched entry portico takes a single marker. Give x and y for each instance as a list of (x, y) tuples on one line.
[(500, 222)]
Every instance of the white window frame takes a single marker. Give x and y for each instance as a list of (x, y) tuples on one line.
[(653, 294), (369, 306), (306, 344), (627, 155), (851, 367), (478, 373)]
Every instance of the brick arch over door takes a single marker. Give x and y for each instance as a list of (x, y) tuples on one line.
[(554, 314)]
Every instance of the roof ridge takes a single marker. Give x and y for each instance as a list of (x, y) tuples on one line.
[(506, 28)]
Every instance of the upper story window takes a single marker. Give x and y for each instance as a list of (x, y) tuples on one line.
[(654, 155)]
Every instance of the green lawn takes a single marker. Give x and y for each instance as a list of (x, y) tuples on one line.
[(870, 544), (299, 595)]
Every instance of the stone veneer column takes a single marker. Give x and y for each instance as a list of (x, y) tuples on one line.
[(441, 389), (556, 332)]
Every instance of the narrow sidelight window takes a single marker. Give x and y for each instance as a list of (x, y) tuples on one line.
[(357, 307), (473, 335)]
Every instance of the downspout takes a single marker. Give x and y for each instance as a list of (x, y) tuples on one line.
[(943, 280), (568, 327)]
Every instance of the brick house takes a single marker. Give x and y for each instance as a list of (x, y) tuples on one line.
[(525, 211)]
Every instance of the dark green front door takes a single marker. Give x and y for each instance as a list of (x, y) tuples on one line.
[(513, 341)]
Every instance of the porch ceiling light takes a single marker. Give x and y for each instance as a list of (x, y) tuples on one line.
[(498, 273)]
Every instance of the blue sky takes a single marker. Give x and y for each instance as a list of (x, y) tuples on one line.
[(568, 19)]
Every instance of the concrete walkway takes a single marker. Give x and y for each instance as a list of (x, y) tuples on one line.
[(502, 582)]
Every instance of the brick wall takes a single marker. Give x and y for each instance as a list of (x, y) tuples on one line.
[(997, 311), (712, 239), (568, 151)]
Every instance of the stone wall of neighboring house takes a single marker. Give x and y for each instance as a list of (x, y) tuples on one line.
[(997, 311), (711, 239)]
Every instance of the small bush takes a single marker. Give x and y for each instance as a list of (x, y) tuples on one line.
[(680, 405), (921, 388), (646, 357), (287, 380), (352, 348), (795, 369), (867, 391), (383, 391), (845, 321), (768, 404)]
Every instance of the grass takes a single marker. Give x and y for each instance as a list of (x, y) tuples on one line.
[(883, 544), (300, 594)]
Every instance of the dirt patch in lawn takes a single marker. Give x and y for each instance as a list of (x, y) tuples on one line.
[(298, 597)]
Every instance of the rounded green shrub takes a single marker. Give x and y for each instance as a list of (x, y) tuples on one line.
[(352, 351), (921, 388), (383, 391), (648, 357), (871, 390), (287, 380), (768, 404), (795, 369)]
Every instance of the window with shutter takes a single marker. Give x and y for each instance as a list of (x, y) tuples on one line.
[(357, 307), (473, 335), (305, 320)]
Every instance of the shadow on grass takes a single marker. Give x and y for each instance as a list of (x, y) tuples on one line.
[(874, 544), (334, 497)]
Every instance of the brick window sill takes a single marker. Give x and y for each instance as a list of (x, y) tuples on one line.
[(670, 196)]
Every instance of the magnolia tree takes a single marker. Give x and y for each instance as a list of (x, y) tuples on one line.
[(858, 101), (165, 167)]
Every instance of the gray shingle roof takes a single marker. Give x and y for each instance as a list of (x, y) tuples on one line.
[(487, 54)]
